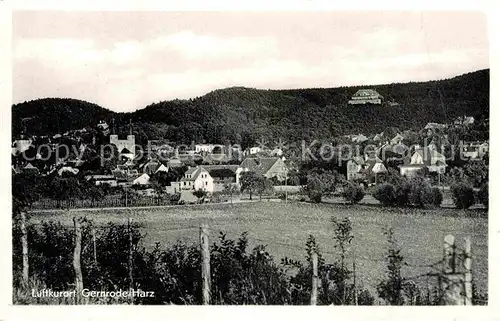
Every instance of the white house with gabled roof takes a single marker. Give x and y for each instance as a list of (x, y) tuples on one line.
[(195, 178)]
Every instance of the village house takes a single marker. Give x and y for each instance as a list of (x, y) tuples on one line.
[(174, 162), (276, 152), (142, 180), (195, 178), (161, 168), (150, 166), (123, 178), (253, 150), (463, 121), (424, 157), (21, 145), (222, 174), (103, 127), (388, 151), (209, 148), (156, 145), (360, 138), (434, 128), (398, 139), (473, 150), (366, 96), (102, 179), (29, 168), (269, 167), (358, 168), (353, 167), (67, 169), (378, 138)]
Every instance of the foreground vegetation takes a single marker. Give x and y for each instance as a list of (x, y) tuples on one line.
[(240, 274), (284, 227)]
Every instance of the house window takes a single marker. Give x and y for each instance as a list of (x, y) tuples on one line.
[(206, 183)]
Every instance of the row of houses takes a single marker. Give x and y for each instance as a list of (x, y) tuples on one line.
[(210, 178), (360, 168)]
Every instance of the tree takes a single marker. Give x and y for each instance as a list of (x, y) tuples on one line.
[(343, 237), (165, 178), (320, 185), (65, 188), (93, 192), (26, 189), (477, 171), (200, 194), (109, 157), (159, 188), (391, 289), (263, 185), (230, 189), (250, 181)]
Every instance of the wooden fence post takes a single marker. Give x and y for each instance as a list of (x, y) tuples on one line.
[(354, 281), (76, 261), (452, 283), (94, 246), (130, 259), (314, 288), (449, 254), (205, 261), (24, 244), (468, 271)]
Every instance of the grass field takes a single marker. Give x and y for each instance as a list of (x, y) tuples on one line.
[(284, 227)]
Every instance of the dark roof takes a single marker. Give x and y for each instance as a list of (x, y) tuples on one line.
[(427, 154), (222, 173), (259, 165), (194, 172), (151, 166), (232, 168), (119, 175), (366, 93)]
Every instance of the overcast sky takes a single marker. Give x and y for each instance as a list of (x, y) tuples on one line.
[(126, 60)]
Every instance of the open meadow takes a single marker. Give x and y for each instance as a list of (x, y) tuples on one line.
[(284, 227)]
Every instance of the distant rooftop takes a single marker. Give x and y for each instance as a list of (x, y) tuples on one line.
[(364, 96)]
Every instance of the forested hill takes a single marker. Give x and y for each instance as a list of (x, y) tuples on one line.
[(244, 115), (49, 116)]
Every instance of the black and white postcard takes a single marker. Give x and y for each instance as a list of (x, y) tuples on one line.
[(284, 158)]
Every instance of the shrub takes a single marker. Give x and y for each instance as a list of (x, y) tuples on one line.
[(437, 196), (174, 198), (353, 193), (386, 194), (402, 193), (482, 195), (422, 194), (463, 195)]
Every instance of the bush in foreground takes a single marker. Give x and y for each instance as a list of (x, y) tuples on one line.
[(463, 195), (353, 193), (437, 196), (385, 194), (483, 195)]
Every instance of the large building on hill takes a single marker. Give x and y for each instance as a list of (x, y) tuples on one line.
[(366, 96), (124, 146)]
